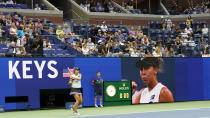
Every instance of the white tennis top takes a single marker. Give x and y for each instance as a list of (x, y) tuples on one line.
[(151, 96)]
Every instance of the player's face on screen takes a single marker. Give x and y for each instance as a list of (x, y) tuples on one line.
[(76, 71), (98, 74), (148, 74)]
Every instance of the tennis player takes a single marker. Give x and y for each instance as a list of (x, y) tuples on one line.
[(155, 92), (75, 82)]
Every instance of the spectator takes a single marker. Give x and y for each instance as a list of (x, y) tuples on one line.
[(120, 35), (61, 37), (94, 51), (181, 54), (183, 41), (8, 20), (130, 38), (9, 2), (20, 35), (102, 49), (171, 52), (134, 53), (82, 5), (205, 30), (28, 45), (59, 31), (77, 47), (203, 43), (191, 42), (66, 29), (11, 50), (110, 7), (39, 47), (99, 8), (198, 30), (37, 8), (103, 27), (116, 49), (39, 25), (145, 41), (189, 21), (28, 31), (2, 21), (16, 20), (45, 25), (142, 53), (85, 50), (51, 31), (105, 5), (188, 30), (157, 52), (139, 31), (165, 52), (90, 44), (36, 33), (205, 54), (163, 26), (147, 53), (70, 39), (1, 33), (47, 44), (13, 31), (132, 31), (168, 22), (184, 34)]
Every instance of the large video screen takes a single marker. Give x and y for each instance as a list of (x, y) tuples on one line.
[(167, 79)]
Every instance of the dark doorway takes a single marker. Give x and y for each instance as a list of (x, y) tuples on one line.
[(55, 98)]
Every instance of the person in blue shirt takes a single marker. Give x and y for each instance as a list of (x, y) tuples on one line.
[(97, 83), (20, 32)]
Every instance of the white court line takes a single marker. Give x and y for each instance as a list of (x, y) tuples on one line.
[(200, 108)]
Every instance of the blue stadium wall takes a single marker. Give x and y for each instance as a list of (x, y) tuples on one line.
[(110, 68), (187, 78)]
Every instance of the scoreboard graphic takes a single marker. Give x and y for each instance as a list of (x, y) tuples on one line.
[(117, 93)]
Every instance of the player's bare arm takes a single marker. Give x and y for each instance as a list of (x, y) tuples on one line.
[(166, 95), (138, 97)]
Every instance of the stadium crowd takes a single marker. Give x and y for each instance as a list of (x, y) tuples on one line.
[(99, 6), (135, 43), (23, 36), (204, 7)]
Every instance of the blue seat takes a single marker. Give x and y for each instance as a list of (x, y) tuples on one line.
[(182, 25), (23, 6), (132, 11), (202, 23), (145, 11)]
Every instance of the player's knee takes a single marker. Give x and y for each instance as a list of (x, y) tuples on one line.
[(80, 101)]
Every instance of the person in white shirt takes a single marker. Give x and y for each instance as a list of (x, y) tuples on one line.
[(205, 30), (75, 82), (157, 52), (188, 30), (37, 8), (155, 92), (10, 2), (47, 44), (90, 44), (191, 42), (183, 41), (85, 49), (134, 53), (184, 34), (103, 27)]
